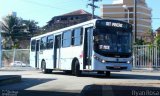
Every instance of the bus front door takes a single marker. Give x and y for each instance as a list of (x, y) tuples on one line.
[(87, 48), (37, 54), (57, 46)]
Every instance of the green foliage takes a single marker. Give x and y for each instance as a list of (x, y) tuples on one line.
[(140, 42), (16, 46), (17, 29), (157, 40), (31, 26), (144, 41)]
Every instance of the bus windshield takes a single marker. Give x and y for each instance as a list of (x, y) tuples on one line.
[(112, 41)]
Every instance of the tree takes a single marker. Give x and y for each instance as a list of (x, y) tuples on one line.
[(140, 42), (148, 38), (149, 33), (8, 24), (31, 26), (157, 40), (17, 29)]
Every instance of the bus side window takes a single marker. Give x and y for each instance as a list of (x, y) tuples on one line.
[(50, 42), (33, 44), (43, 43), (77, 37), (66, 42)]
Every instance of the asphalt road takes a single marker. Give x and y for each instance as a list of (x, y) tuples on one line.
[(35, 83)]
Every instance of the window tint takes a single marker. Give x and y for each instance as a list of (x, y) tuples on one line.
[(43, 43), (33, 44), (77, 36), (67, 39), (57, 41), (50, 42)]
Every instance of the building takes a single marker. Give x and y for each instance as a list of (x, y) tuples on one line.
[(119, 9), (158, 31), (13, 14), (68, 19)]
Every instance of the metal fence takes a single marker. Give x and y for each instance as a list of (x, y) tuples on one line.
[(146, 56), (15, 57)]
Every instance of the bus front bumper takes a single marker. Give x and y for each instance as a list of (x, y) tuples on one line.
[(99, 66)]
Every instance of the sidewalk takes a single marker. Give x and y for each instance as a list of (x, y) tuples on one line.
[(16, 68)]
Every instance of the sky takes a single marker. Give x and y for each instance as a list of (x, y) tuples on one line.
[(43, 10)]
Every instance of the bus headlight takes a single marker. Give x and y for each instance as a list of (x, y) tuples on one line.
[(99, 59), (129, 62), (103, 61)]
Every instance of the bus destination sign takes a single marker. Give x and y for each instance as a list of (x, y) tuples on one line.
[(113, 24)]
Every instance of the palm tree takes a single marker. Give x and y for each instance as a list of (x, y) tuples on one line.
[(8, 25), (17, 29), (31, 26)]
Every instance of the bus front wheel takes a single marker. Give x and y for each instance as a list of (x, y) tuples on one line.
[(108, 74)]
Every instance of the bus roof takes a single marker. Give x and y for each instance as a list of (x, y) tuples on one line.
[(71, 27)]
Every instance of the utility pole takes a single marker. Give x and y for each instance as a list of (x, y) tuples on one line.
[(1, 31), (135, 21), (92, 4)]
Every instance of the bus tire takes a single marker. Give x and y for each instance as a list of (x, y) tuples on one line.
[(108, 74), (68, 71), (77, 68), (100, 72), (49, 70), (43, 67)]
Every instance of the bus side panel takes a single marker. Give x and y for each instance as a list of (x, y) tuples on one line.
[(46, 55)]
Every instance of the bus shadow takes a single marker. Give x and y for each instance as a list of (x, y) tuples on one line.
[(123, 76), (84, 74), (114, 76), (134, 76)]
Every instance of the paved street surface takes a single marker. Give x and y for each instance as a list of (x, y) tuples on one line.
[(34, 83)]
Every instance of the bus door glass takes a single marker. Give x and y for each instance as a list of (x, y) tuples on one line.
[(37, 54), (88, 47), (57, 46)]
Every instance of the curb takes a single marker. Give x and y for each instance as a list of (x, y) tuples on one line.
[(146, 70), (16, 68), (9, 79)]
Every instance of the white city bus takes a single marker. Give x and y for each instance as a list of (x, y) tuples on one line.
[(97, 45)]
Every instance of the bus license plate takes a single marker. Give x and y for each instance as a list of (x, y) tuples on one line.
[(116, 67)]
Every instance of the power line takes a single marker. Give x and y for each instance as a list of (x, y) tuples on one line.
[(40, 4), (137, 17), (67, 8)]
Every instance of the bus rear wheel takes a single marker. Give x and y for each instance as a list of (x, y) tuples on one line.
[(76, 68), (43, 67)]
